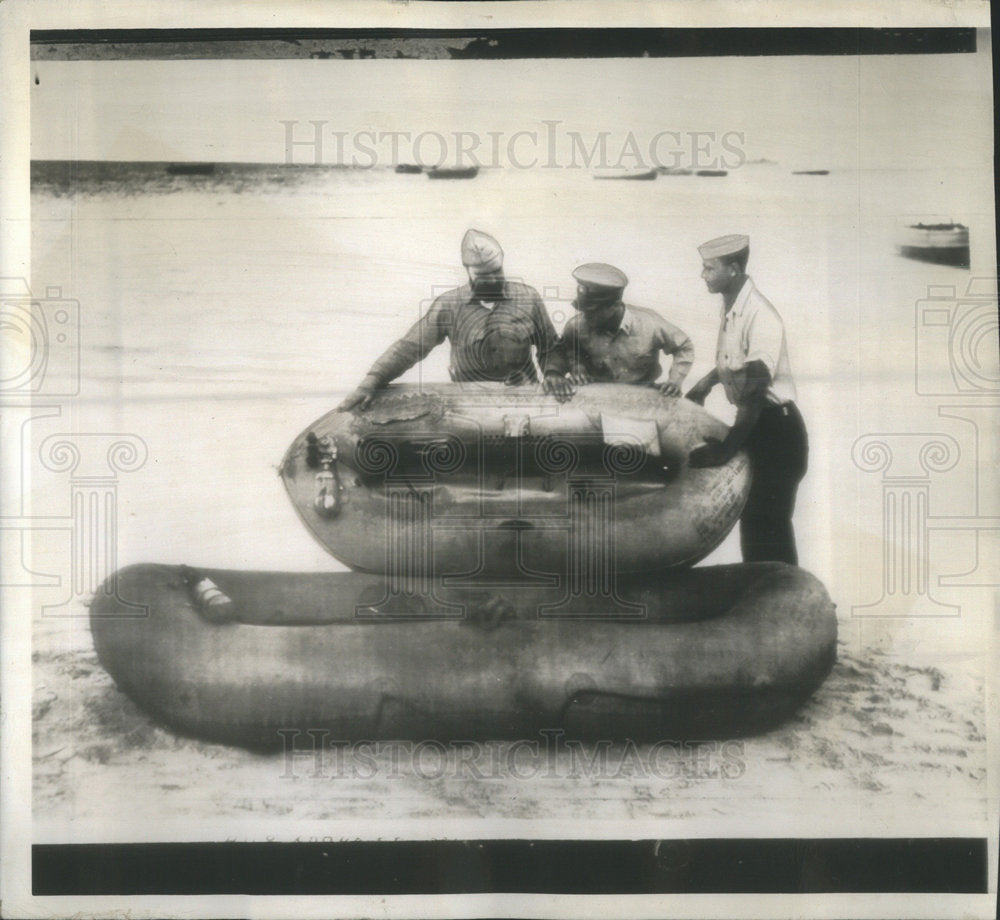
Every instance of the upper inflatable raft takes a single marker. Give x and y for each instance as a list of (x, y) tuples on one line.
[(484, 480)]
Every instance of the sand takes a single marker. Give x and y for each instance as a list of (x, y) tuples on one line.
[(881, 741)]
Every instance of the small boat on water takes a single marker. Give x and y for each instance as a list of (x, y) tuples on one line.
[(190, 169), (943, 243), (712, 172), (646, 175), (810, 172), (674, 171), (453, 172), (409, 168)]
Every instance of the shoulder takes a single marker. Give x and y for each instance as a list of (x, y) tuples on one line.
[(758, 304), (522, 291), (761, 321), (452, 298), (444, 307), (646, 318), (455, 295)]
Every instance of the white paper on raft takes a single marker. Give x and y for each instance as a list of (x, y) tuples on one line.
[(635, 432)]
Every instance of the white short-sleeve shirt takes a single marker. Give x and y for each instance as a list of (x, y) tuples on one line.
[(751, 330)]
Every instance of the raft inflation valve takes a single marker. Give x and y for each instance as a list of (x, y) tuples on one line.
[(323, 453)]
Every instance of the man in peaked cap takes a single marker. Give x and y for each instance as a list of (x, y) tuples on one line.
[(491, 322), (751, 363), (610, 341)]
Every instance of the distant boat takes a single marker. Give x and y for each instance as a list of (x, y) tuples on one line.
[(810, 172), (190, 169), (674, 171), (642, 176), (409, 168), (712, 172), (454, 172), (945, 243)]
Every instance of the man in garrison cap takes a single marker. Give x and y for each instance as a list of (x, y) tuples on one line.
[(751, 363), (491, 322), (611, 341)]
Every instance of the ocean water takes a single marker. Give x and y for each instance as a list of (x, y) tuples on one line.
[(221, 314), (258, 280)]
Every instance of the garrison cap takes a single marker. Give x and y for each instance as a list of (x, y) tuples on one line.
[(480, 250), (724, 246), (599, 274)]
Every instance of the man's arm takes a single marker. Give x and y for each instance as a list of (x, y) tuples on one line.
[(703, 387), (423, 336), (574, 345), (715, 452), (675, 342), (545, 333), (555, 360)]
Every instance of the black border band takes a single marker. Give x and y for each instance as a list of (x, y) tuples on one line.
[(717, 866), (498, 44)]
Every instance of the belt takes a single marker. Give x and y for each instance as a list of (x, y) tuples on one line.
[(784, 408)]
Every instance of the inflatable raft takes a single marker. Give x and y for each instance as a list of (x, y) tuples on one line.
[(239, 657), (487, 480)]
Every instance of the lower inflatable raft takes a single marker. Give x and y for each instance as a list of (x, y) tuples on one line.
[(240, 657)]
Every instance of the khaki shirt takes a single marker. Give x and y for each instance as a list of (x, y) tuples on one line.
[(487, 342), (751, 330), (628, 354)]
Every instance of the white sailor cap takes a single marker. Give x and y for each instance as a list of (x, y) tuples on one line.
[(481, 251), (724, 246)]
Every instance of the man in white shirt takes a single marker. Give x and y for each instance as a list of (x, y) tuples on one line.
[(751, 363)]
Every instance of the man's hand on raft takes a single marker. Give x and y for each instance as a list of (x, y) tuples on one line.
[(559, 386), (668, 388), (360, 398), (698, 394), (712, 453)]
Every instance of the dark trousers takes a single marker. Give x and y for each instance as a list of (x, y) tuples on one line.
[(779, 454)]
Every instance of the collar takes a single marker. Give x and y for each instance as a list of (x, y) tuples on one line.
[(739, 305), (625, 324), (470, 298)]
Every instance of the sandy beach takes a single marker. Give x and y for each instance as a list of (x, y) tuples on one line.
[(882, 740)]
